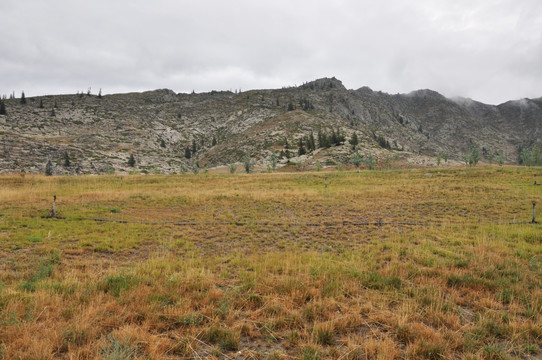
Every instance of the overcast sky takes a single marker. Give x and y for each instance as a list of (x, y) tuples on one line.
[(490, 51)]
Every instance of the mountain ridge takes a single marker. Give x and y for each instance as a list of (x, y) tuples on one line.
[(99, 133)]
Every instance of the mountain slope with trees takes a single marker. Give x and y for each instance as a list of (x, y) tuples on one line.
[(310, 125)]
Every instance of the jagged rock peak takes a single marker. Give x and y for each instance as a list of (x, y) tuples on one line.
[(324, 84), (426, 94), (160, 92), (160, 95), (365, 90)]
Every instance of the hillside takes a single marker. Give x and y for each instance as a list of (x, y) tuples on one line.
[(99, 134)]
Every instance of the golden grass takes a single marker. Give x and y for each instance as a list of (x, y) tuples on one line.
[(465, 285)]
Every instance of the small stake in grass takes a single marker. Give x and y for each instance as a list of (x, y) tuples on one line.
[(534, 219), (53, 214), (54, 206)]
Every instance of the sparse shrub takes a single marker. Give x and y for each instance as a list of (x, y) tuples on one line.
[(72, 335), (191, 319), (115, 284), (323, 334), (505, 296), (49, 168), (275, 355), (114, 349), (494, 352), (404, 334), (44, 270), (356, 159), (34, 239), (225, 338), (370, 162), (184, 347), (500, 158), (274, 160), (318, 165), (195, 167), (310, 353), (374, 280), (473, 156), (247, 163), (430, 350), (232, 167), (530, 156), (109, 169)]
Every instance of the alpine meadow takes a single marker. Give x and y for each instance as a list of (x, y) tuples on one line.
[(378, 264)]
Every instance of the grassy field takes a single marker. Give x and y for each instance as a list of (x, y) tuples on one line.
[(273, 266)]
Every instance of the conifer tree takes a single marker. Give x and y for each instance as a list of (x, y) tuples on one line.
[(194, 146), (2, 108), (23, 98), (354, 140), (301, 149), (333, 138), (67, 161), (49, 168), (323, 141), (131, 160), (187, 153), (312, 142)]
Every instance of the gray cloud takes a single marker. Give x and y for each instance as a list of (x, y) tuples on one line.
[(488, 50)]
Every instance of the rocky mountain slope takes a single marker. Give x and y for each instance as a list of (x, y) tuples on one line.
[(97, 134)]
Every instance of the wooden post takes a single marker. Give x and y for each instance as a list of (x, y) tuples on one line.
[(533, 221), (535, 179), (54, 206)]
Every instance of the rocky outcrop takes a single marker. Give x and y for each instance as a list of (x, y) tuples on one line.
[(98, 134)]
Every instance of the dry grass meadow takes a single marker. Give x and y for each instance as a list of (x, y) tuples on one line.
[(273, 266)]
